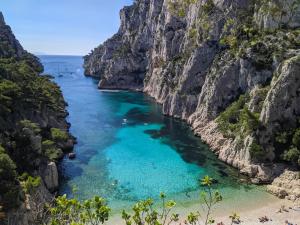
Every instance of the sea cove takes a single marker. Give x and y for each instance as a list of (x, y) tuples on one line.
[(128, 151)]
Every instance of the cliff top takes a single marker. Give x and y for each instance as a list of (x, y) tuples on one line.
[(2, 21)]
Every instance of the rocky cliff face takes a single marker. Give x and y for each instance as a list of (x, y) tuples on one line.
[(229, 68), (33, 133)]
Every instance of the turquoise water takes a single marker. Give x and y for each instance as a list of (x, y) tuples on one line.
[(127, 150)]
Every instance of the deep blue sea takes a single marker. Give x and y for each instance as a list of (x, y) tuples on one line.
[(127, 150)]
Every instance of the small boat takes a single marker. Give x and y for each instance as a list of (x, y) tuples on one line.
[(124, 122)]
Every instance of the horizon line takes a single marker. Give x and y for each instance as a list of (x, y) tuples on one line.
[(44, 54)]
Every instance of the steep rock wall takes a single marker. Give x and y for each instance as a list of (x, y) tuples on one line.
[(198, 59)]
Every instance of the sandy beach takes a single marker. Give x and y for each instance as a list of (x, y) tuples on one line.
[(270, 210), (248, 215)]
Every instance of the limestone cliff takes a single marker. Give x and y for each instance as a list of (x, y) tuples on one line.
[(230, 68), (33, 133)]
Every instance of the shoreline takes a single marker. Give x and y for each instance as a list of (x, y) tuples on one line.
[(248, 215)]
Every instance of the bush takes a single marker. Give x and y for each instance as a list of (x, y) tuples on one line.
[(7, 168), (59, 135), (237, 119), (208, 6), (9, 92), (256, 151), (9, 188), (296, 138), (72, 211), (30, 183), (51, 151), (30, 125), (292, 155), (282, 138)]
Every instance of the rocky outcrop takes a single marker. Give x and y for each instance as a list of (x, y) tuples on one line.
[(50, 177), (122, 60), (197, 59), (286, 186)]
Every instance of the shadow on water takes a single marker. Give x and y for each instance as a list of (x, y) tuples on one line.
[(180, 137)]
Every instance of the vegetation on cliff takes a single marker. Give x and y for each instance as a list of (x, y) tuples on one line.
[(32, 112)]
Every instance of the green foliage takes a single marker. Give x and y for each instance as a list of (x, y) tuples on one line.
[(256, 151), (7, 167), (193, 33), (210, 198), (179, 7), (288, 144), (9, 189), (282, 138), (29, 183), (22, 92), (73, 212), (296, 138), (30, 125), (208, 6), (292, 155), (9, 91), (21, 86), (144, 212), (237, 119), (59, 135), (51, 151)]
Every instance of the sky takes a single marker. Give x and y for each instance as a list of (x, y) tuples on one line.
[(62, 27)]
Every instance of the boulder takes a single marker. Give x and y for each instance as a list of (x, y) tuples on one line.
[(287, 185), (50, 177)]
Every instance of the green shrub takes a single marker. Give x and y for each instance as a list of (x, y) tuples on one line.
[(2, 150), (296, 138), (59, 135), (51, 151), (9, 92), (9, 189), (237, 119), (282, 138), (7, 168), (30, 183), (292, 155), (53, 154), (256, 151), (72, 211), (48, 144), (208, 6), (30, 125)]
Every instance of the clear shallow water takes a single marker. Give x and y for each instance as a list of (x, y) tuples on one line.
[(127, 150)]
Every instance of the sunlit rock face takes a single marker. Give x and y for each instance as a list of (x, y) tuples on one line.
[(182, 62)]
